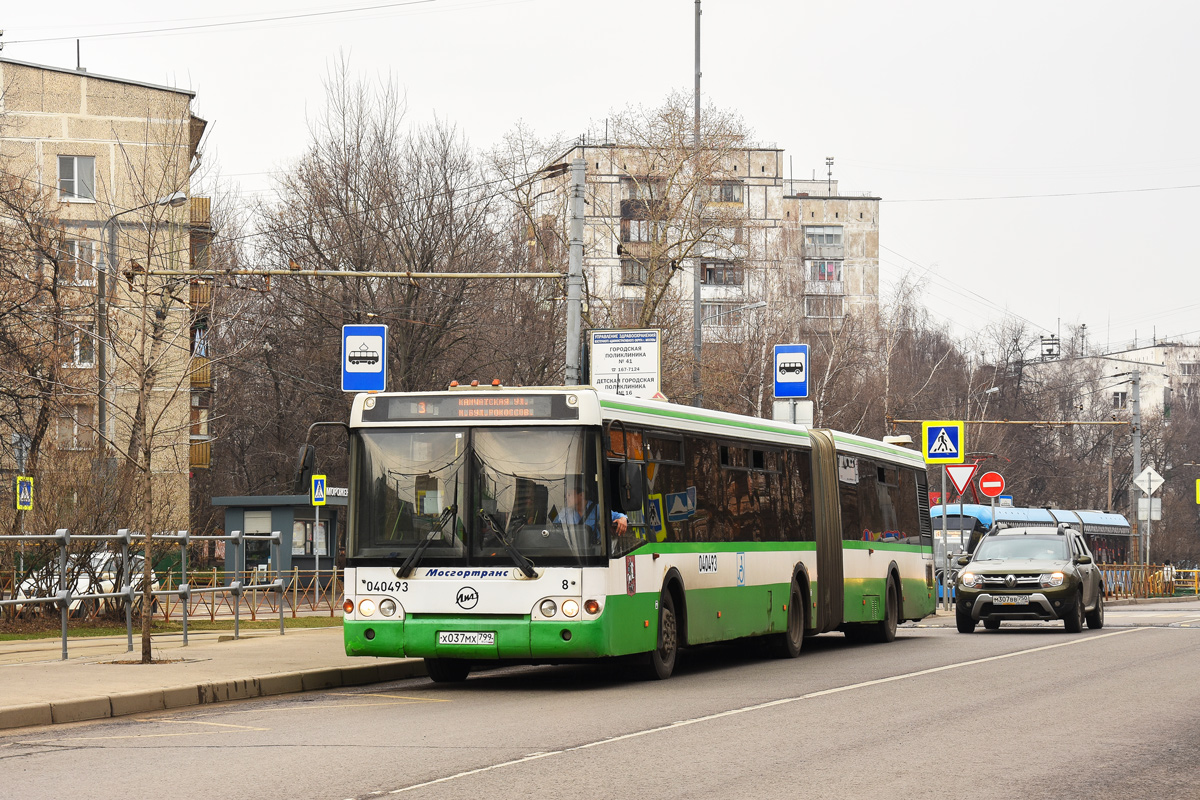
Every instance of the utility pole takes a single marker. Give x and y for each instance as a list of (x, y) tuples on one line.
[(697, 335), (575, 274), (1136, 422)]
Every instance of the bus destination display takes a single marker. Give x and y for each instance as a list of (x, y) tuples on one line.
[(403, 409)]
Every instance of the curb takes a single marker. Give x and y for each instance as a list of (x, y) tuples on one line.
[(118, 705)]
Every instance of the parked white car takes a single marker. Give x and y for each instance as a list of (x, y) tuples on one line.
[(93, 574)]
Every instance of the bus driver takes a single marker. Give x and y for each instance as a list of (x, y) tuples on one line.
[(580, 509)]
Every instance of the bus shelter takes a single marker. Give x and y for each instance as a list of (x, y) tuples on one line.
[(306, 543)]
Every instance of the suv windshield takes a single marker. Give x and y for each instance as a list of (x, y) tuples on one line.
[(1045, 548), (482, 495)]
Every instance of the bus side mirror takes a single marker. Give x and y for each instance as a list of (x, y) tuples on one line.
[(629, 486)]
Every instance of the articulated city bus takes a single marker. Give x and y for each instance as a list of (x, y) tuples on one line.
[(547, 525), (1108, 535)]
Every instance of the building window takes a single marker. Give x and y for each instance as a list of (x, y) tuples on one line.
[(823, 307), (823, 235), (721, 273), (83, 351), (77, 178), (77, 265), (1120, 400), (634, 272), (726, 193), (200, 341), (1189, 368), (719, 315), (631, 312), (641, 230), (75, 428), (824, 270), (645, 188)]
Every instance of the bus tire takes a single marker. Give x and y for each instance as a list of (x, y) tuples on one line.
[(1095, 617), (789, 643), (662, 658), (447, 670), (885, 630)]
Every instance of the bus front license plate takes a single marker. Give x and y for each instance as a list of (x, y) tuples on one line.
[(467, 637), (1010, 600)]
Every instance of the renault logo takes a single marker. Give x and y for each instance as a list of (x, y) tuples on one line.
[(1010, 581)]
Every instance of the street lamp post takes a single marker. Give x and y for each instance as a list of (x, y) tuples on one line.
[(173, 200)]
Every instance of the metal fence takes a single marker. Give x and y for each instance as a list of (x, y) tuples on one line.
[(180, 594)]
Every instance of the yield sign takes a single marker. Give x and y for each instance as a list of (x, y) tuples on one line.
[(961, 474)]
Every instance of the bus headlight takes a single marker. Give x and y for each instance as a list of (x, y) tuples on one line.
[(548, 607), (570, 608), (387, 607), (366, 607), (591, 607), (348, 606)]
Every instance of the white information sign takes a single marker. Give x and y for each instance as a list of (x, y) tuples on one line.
[(1148, 480), (626, 362)]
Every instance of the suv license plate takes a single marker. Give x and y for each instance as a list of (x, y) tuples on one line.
[(1010, 600), (467, 637)]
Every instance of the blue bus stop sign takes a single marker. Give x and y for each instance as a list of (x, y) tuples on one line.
[(791, 370), (364, 358)]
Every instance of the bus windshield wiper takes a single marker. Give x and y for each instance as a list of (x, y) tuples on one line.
[(523, 563), (435, 532)]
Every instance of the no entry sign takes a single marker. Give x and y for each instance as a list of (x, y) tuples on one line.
[(991, 484)]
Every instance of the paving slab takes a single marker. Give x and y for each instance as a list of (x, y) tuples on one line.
[(101, 678)]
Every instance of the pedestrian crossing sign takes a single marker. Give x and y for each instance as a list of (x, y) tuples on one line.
[(318, 490), (943, 442), (24, 493)]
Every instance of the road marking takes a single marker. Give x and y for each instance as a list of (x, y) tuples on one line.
[(247, 728), (757, 707)]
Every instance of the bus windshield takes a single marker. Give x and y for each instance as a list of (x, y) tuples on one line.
[(496, 496)]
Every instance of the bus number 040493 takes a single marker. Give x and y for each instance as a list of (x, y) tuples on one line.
[(385, 586)]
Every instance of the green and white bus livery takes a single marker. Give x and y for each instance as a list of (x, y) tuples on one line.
[(546, 525)]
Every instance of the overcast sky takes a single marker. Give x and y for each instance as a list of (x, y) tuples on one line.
[(1035, 159)]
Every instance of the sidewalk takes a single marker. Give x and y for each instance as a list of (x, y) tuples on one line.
[(38, 688)]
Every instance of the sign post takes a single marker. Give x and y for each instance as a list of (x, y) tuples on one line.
[(991, 484), (317, 496), (943, 442), (1148, 480)]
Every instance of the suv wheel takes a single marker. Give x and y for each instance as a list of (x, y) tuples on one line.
[(1074, 618), (1095, 617), (962, 616)]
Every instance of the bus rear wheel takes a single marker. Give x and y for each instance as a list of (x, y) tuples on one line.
[(885, 629), (789, 643), (662, 657), (447, 670)]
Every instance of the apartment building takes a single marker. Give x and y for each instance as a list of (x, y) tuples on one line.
[(105, 165), (809, 252), (1170, 376)]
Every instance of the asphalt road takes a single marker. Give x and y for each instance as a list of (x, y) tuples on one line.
[(1027, 711)]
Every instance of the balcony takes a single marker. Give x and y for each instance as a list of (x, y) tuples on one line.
[(200, 295), (201, 212), (201, 373), (200, 456), (824, 251), (824, 287)]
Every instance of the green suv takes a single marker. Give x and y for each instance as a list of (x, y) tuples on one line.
[(1030, 573)]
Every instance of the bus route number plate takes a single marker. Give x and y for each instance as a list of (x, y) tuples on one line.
[(1010, 600), (467, 637)]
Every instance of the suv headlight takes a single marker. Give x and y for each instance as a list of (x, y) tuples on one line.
[(970, 579), (1052, 579)]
